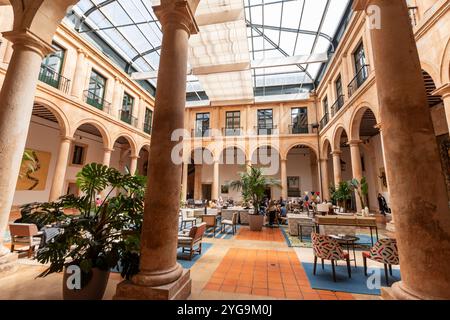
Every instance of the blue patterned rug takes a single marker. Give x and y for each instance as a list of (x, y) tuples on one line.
[(359, 283), (226, 235)]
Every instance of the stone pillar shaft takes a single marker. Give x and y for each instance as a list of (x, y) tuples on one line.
[(198, 194), (284, 184), (107, 157), (325, 179), (79, 76), (337, 168), (158, 259), (133, 165), (416, 182), (184, 182), (16, 107), (355, 154), (60, 169), (216, 178)]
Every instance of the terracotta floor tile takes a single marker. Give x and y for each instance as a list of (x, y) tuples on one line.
[(294, 295), (277, 293), (259, 292), (311, 296), (244, 290), (260, 284), (230, 282), (212, 287), (327, 297), (275, 286), (228, 288)]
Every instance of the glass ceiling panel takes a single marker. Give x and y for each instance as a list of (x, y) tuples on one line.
[(275, 29)]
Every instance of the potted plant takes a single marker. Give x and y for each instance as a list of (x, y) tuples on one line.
[(362, 190), (252, 185), (342, 194), (93, 240)]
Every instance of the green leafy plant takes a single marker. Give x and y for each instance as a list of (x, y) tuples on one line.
[(30, 164), (98, 236), (252, 185), (342, 193), (361, 188)]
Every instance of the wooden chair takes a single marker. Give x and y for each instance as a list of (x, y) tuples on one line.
[(25, 234), (185, 219), (327, 248), (384, 251), (211, 222), (191, 240), (233, 223)]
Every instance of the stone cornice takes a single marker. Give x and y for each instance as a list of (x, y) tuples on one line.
[(28, 40), (426, 25)]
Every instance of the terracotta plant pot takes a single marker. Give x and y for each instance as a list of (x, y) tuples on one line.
[(94, 290), (256, 222)]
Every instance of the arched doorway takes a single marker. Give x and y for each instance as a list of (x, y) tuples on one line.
[(268, 159), (343, 170), (232, 161), (302, 171), (200, 175), (124, 155), (142, 164)]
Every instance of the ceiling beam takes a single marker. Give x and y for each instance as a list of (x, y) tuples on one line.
[(288, 61)]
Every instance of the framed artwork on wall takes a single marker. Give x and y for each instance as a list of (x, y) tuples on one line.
[(34, 171), (293, 186)]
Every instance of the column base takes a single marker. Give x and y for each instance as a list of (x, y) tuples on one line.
[(398, 292), (390, 226), (8, 264), (177, 290)]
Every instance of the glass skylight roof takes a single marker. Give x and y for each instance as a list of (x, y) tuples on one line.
[(275, 28)]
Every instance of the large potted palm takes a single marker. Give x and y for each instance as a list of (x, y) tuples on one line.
[(361, 187), (252, 185), (95, 239)]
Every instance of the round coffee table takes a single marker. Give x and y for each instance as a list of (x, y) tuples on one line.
[(348, 241)]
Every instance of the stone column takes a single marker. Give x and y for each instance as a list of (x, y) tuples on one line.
[(16, 107), (184, 181), (198, 194), (416, 182), (133, 164), (59, 176), (284, 184), (325, 179), (107, 156), (248, 164), (79, 77), (160, 276), (337, 169), (216, 178), (8, 53), (357, 173), (117, 98), (446, 99)]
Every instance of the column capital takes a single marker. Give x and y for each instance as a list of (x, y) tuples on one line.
[(180, 12), (28, 40), (378, 126), (67, 139), (134, 157), (108, 150), (336, 153), (81, 52), (354, 143), (323, 160)]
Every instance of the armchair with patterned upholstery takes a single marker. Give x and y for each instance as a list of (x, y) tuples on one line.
[(327, 248), (384, 251), (191, 239)]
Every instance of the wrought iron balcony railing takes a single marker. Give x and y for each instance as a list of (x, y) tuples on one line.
[(147, 128), (358, 80), (232, 132), (54, 79), (127, 117), (337, 105), (96, 101), (201, 132), (266, 131), (324, 121), (302, 129)]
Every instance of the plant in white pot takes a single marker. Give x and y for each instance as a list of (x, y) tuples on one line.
[(362, 190), (253, 185), (94, 240)]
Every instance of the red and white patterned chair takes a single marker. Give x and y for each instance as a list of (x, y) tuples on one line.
[(327, 248), (384, 251)]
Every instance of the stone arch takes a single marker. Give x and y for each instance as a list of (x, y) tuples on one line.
[(203, 160), (324, 149), (131, 141), (220, 157), (61, 118), (336, 143), (445, 64), (356, 118), (106, 137), (264, 145), (432, 71), (145, 145), (293, 145)]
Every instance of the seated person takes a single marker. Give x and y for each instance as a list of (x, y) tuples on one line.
[(272, 212)]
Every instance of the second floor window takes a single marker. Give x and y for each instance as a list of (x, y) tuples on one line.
[(202, 124), (148, 121), (126, 114), (339, 96), (233, 123), (325, 106), (360, 64), (265, 122), (299, 118), (96, 91), (51, 67)]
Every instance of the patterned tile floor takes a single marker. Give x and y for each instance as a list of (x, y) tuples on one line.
[(271, 273), (268, 234)]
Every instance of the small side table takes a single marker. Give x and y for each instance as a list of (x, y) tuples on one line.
[(348, 241), (300, 229)]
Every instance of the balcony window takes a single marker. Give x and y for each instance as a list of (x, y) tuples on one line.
[(265, 122), (202, 125), (96, 92), (233, 123), (51, 68), (361, 69), (299, 121), (148, 121), (339, 103), (126, 114)]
